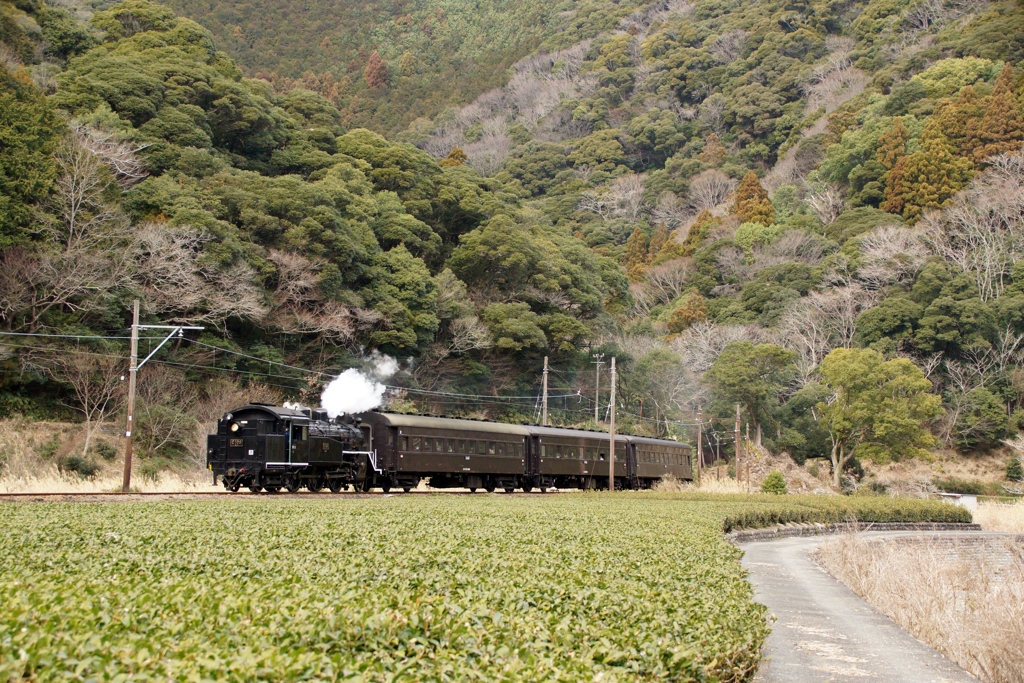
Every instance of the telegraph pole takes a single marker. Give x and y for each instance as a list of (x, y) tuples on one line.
[(611, 434), (597, 386), (746, 461), (739, 445), (544, 410), (133, 369), (700, 445)]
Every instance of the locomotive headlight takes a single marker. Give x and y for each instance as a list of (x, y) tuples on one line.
[(234, 426)]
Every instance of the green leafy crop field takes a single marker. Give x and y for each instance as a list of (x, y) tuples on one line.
[(566, 587)]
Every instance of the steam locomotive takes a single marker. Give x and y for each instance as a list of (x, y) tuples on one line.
[(267, 447)]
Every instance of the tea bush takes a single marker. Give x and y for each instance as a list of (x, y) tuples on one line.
[(440, 588)]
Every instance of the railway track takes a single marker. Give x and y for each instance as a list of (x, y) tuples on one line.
[(208, 495)]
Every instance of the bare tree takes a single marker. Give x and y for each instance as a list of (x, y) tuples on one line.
[(165, 409), (712, 113), (121, 156), (729, 47), (670, 211), (826, 201), (177, 282), (626, 196), (821, 321), (709, 189), (595, 202), (299, 306), (982, 231), (94, 380), (892, 254), (487, 154), (701, 343)]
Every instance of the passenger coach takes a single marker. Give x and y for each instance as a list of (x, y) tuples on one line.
[(491, 455)]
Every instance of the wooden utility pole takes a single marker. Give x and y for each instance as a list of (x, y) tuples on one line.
[(611, 434), (700, 446), (133, 370), (746, 460), (597, 387), (176, 331), (544, 410), (739, 445)]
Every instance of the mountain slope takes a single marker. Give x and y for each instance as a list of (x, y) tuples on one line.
[(435, 52)]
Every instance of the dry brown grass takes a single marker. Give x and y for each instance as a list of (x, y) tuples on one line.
[(1001, 516), (967, 604), (25, 469), (707, 485)]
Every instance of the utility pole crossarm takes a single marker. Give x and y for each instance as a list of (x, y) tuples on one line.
[(174, 332)]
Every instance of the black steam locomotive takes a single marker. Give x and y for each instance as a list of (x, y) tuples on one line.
[(266, 447)]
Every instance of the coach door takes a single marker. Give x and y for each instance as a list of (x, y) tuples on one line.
[(533, 456)]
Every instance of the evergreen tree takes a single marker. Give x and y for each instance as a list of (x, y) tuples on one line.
[(894, 200), (456, 157), (752, 203), (636, 254), (29, 129), (1014, 470), (1002, 128), (692, 310), (658, 241), (893, 144), (927, 178), (960, 119), (714, 151), (376, 72)]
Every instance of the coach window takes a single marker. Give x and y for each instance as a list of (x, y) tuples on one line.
[(558, 451), (519, 450), (602, 455), (490, 448), (405, 443), (416, 443), (543, 451), (449, 445)]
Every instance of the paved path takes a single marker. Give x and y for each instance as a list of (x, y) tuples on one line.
[(825, 632)]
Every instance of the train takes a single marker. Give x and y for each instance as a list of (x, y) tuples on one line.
[(265, 447)]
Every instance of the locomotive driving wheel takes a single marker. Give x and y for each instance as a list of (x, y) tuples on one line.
[(385, 486), (255, 488), (334, 485), (314, 485), (291, 484), (489, 487)]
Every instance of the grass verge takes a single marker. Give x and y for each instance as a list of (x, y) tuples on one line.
[(967, 603)]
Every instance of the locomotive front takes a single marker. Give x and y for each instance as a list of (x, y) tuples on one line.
[(268, 447)]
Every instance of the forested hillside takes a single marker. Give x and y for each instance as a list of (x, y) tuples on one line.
[(384, 64), (815, 211)]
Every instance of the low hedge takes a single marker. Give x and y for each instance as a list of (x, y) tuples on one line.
[(759, 511)]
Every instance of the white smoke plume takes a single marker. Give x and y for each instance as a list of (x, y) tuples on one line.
[(355, 391)]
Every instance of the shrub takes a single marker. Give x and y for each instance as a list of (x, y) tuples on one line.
[(105, 450), (79, 465), (1014, 471), (774, 483), (50, 448), (954, 485)]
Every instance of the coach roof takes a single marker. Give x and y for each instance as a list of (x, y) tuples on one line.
[(427, 422)]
